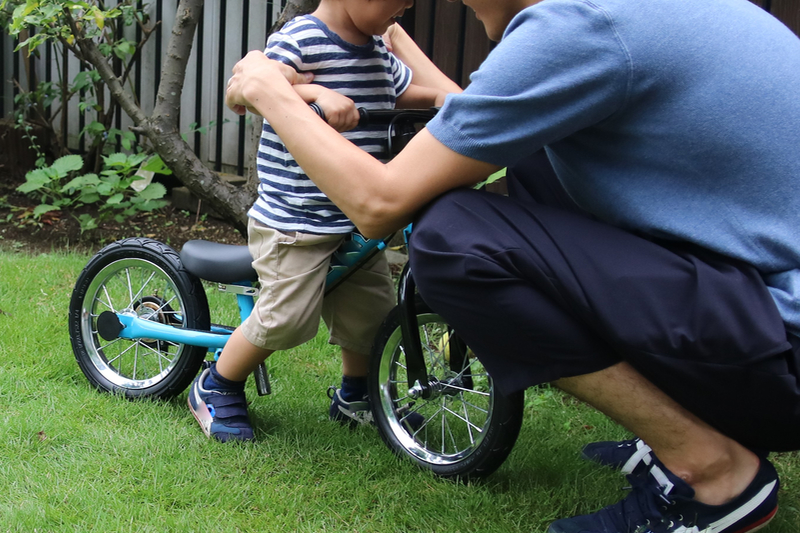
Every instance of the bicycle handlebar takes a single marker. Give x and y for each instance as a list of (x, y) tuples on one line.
[(383, 116)]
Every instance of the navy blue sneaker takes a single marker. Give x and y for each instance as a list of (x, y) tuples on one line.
[(222, 414), (622, 455), (359, 412), (661, 502), (352, 413)]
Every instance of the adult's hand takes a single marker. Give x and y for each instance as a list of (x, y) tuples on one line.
[(253, 70)]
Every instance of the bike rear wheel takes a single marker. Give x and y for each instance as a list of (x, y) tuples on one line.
[(147, 278), (466, 429)]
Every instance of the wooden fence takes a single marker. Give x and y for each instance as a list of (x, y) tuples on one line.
[(447, 31)]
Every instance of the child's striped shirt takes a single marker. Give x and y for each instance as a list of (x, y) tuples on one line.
[(370, 75)]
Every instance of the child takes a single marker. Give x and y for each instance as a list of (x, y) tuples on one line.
[(294, 228)]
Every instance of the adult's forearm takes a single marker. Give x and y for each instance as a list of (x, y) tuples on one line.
[(379, 198)]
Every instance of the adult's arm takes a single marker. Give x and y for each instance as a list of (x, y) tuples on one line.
[(426, 73), (379, 198)]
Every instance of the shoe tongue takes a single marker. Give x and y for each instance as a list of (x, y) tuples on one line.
[(670, 485)]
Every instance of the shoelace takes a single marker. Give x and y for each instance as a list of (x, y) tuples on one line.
[(644, 507), (642, 454)]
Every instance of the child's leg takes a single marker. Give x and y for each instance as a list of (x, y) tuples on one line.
[(353, 313), (291, 270), (355, 367), (349, 404), (354, 363), (240, 357)]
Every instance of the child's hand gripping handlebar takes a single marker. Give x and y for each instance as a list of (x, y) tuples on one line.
[(402, 124)]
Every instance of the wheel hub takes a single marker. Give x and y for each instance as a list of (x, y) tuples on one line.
[(450, 386)]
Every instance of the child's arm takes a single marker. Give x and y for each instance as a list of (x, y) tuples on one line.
[(419, 97), (425, 72), (340, 111)]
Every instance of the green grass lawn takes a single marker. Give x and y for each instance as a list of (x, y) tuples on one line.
[(73, 459)]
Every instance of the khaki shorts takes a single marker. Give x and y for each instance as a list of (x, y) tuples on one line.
[(291, 270)]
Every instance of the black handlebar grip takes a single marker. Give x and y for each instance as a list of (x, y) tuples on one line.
[(363, 116)]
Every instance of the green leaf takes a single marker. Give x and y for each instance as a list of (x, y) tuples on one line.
[(83, 80), (156, 164), (154, 191), (115, 199), (124, 48), (105, 189), (81, 181), (94, 129), (89, 198), (40, 210), (113, 180), (117, 159), (35, 180), (65, 165), (152, 205), (87, 222)]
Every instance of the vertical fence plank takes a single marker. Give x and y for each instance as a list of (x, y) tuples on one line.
[(4, 61), (788, 12), (423, 27), (448, 37)]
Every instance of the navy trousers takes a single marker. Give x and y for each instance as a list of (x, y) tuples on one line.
[(540, 290)]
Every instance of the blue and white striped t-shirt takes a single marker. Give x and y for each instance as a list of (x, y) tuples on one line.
[(368, 74)]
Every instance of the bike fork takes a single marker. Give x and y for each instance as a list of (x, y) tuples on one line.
[(409, 326)]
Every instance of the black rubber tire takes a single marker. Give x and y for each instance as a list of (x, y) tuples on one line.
[(469, 428), (146, 277)]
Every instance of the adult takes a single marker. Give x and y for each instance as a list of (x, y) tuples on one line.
[(655, 274)]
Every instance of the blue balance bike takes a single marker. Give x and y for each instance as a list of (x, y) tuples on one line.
[(140, 326)]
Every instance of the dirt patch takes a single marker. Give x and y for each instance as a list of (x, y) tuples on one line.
[(60, 231)]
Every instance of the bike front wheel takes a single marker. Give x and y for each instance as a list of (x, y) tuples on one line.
[(465, 429), (144, 277)]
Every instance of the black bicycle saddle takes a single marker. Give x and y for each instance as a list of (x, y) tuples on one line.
[(221, 263)]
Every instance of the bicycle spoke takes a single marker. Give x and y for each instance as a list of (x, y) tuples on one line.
[(135, 360), (141, 290), (104, 347), (469, 423), (473, 406), (123, 352), (110, 303), (465, 420), (462, 389)]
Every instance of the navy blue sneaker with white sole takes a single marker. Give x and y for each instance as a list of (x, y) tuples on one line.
[(353, 413), (222, 414), (661, 502), (357, 412)]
